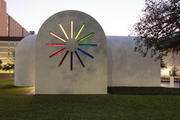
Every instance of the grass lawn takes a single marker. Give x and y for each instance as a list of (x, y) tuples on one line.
[(85, 107), (7, 88)]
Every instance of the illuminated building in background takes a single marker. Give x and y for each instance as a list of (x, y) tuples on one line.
[(11, 32), (172, 66)]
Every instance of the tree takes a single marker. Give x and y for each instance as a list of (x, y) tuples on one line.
[(158, 30), (1, 65), (8, 66), (174, 71), (163, 64)]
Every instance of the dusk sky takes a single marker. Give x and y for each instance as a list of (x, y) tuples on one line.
[(115, 16)]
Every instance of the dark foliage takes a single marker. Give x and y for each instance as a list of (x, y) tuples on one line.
[(8, 67), (162, 63), (158, 30), (1, 64), (174, 71)]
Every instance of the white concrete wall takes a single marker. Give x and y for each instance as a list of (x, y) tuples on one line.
[(127, 68), (52, 79), (25, 62)]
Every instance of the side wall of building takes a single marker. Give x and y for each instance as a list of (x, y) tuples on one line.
[(127, 68), (9, 26), (3, 19), (15, 29), (25, 71)]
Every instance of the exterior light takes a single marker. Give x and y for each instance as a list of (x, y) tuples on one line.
[(64, 31), (55, 44), (79, 31), (87, 45), (79, 59), (85, 37), (86, 53), (63, 58), (57, 37), (56, 53), (71, 29), (72, 37)]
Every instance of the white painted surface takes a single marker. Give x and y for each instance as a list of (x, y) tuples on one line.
[(52, 79), (25, 62), (127, 68)]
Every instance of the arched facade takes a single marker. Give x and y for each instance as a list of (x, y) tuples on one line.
[(25, 62)]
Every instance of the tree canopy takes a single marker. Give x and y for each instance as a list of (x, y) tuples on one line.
[(158, 30)]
